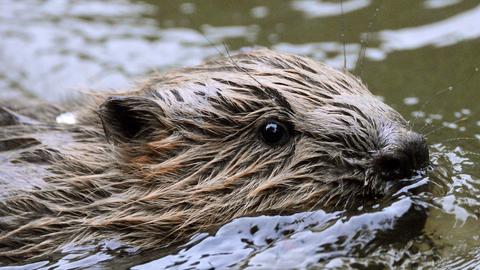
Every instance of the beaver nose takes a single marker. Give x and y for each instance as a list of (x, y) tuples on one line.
[(409, 154)]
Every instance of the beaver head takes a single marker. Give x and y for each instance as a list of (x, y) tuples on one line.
[(191, 149), (260, 131)]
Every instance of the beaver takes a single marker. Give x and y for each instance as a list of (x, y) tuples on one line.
[(191, 149)]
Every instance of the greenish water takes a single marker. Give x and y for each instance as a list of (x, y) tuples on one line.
[(422, 57)]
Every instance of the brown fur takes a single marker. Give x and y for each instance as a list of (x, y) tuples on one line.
[(195, 160)]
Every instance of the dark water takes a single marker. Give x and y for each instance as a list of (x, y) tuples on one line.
[(422, 57)]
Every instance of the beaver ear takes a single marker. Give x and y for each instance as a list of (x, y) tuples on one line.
[(129, 119)]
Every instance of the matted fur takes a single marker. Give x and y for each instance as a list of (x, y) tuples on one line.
[(199, 161)]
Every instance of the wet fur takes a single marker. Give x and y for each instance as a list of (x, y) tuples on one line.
[(190, 157)]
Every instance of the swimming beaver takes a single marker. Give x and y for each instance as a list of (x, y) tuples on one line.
[(191, 149)]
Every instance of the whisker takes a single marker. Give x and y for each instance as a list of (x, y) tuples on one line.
[(230, 58), (364, 43), (342, 36), (472, 153), (212, 44), (427, 124), (461, 139), (240, 68), (442, 127), (468, 116), (447, 90)]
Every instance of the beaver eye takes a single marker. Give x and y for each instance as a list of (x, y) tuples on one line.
[(274, 133)]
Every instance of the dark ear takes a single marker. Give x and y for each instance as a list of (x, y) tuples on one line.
[(128, 119)]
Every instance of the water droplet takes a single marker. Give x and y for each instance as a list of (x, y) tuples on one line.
[(187, 8), (436, 116), (410, 101), (418, 114), (450, 125), (259, 12), (466, 111)]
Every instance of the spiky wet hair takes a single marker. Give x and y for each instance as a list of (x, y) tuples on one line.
[(183, 153)]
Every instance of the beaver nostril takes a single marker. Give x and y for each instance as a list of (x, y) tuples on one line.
[(410, 154), (393, 166)]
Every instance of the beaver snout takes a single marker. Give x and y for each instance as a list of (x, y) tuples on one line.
[(409, 154)]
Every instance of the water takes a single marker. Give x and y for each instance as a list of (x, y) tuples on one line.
[(422, 57)]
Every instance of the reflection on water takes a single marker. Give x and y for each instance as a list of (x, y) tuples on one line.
[(424, 63), (61, 46), (461, 27), (440, 3), (313, 8), (300, 240)]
